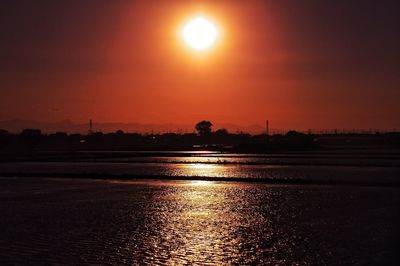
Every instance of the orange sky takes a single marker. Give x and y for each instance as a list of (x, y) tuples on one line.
[(312, 65)]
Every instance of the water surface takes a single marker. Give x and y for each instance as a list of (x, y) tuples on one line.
[(78, 221)]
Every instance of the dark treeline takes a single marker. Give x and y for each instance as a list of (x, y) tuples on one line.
[(205, 139)]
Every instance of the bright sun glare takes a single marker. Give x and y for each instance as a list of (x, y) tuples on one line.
[(200, 33)]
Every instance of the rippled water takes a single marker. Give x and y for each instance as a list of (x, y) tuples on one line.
[(350, 166), (366, 175), (194, 222), (150, 222)]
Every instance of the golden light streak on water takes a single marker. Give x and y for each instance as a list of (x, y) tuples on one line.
[(201, 169)]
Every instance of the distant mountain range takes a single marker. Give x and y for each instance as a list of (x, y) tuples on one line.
[(17, 125)]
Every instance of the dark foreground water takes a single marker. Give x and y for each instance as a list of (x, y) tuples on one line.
[(78, 221)]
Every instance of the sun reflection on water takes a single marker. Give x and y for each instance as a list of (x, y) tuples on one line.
[(201, 169), (196, 222), (201, 222), (200, 183)]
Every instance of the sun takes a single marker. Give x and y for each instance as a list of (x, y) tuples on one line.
[(200, 33)]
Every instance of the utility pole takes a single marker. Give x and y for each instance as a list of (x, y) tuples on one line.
[(90, 127), (267, 127)]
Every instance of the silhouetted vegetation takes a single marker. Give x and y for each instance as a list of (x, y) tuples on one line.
[(206, 139), (204, 128)]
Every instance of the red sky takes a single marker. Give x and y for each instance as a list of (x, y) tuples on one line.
[(300, 64)]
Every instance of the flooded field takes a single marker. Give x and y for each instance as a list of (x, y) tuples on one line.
[(317, 168), (78, 221), (200, 208)]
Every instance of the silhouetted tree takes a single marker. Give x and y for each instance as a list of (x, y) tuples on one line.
[(4, 135), (294, 134), (31, 133), (30, 137), (221, 132), (119, 132), (59, 135), (204, 127)]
